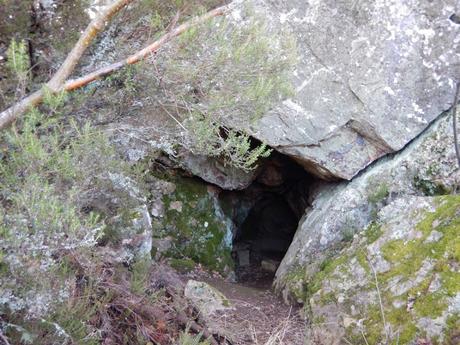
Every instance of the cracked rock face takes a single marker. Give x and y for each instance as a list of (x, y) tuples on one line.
[(426, 167), (372, 75)]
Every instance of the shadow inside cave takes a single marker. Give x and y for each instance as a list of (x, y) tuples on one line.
[(266, 217)]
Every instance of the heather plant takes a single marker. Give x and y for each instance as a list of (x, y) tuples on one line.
[(219, 79), (18, 67), (18, 61), (51, 175)]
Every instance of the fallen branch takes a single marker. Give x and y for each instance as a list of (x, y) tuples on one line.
[(15, 111), (142, 54), (454, 123), (56, 82)]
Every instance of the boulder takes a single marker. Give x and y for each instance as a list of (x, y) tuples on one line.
[(371, 76), (427, 167), (214, 171), (399, 282), (205, 298)]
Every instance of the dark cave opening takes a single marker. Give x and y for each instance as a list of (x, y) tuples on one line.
[(266, 216)]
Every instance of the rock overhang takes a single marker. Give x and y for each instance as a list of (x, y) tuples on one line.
[(371, 76)]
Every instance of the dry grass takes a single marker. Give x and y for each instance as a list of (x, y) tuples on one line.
[(289, 331)]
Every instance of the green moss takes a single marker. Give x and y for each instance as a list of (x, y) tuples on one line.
[(406, 258), (373, 324), (362, 259), (379, 195), (400, 321), (318, 319), (430, 305), (452, 329), (295, 281), (327, 298), (192, 220), (450, 280), (326, 268), (373, 232)]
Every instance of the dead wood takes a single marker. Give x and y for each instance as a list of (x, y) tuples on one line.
[(122, 313), (454, 122)]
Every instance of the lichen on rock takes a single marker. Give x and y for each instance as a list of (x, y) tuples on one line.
[(403, 285), (196, 225)]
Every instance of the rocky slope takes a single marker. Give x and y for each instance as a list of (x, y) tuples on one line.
[(375, 257)]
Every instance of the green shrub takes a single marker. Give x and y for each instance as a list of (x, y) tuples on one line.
[(220, 78), (56, 191), (18, 60)]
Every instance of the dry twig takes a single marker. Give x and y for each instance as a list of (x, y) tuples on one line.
[(454, 123)]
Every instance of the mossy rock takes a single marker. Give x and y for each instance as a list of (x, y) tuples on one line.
[(196, 223), (398, 282)]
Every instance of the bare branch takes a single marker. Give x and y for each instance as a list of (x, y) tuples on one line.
[(67, 67), (9, 115), (144, 53), (454, 122), (96, 26)]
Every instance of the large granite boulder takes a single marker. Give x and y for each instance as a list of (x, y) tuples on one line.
[(397, 284), (427, 167), (371, 76)]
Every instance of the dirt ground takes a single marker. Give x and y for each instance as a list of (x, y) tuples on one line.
[(257, 315)]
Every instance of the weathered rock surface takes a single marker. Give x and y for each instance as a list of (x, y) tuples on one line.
[(189, 225), (426, 167), (214, 171), (206, 299), (372, 75), (400, 281)]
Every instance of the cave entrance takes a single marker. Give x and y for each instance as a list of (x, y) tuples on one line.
[(266, 216)]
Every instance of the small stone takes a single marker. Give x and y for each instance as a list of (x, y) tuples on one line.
[(205, 298), (269, 265), (348, 321), (435, 284), (176, 205), (398, 304), (434, 236), (157, 209), (340, 299)]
